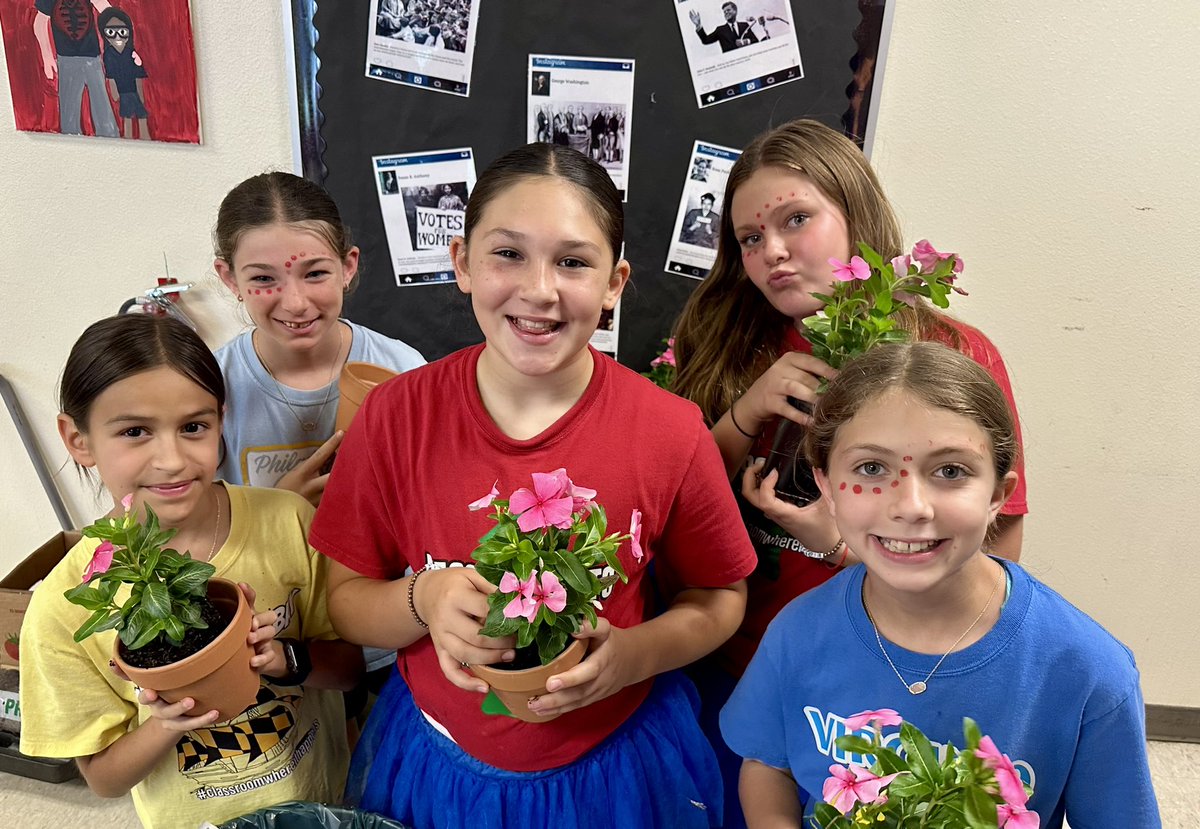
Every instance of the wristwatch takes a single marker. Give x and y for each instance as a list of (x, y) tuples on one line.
[(299, 663)]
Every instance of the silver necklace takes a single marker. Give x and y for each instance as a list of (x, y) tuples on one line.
[(309, 425), (920, 685)]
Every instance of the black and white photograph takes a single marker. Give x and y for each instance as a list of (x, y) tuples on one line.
[(738, 47), (539, 83), (433, 189), (693, 247), (435, 24), (589, 108), (425, 43), (596, 130)]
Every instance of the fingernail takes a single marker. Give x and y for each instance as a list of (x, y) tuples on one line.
[(481, 689), (553, 685), (509, 656)]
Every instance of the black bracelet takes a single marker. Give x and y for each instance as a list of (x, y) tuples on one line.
[(412, 605), (733, 420)]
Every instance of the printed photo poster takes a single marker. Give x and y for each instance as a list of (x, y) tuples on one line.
[(585, 104), (698, 224), (738, 48), (425, 43), (123, 69), (423, 199), (608, 331)]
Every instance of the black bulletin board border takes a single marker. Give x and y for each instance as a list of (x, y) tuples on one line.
[(344, 118)]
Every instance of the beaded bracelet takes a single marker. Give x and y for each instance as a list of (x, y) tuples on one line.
[(412, 605), (733, 420), (818, 555)]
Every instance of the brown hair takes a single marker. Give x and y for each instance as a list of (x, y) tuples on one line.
[(118, 347), (728, 333), (938, 376), (590, 179), (280, 198)]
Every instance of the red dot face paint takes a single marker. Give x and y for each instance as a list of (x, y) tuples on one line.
[(758, 215), (294, 257), (767, 206), (908, 457), (895, 484), (843, 486), (762, 227), (877, 490), (287, 264), (857, 489), (779, 198), (903, 473)]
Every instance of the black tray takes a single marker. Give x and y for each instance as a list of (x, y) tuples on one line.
[(39, 768)]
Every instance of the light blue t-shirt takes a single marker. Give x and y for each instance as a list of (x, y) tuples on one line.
[(1055, 691), (264, 439)]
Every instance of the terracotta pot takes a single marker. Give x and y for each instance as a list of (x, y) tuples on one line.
[(515, 688), (354, 384), (218, 675)]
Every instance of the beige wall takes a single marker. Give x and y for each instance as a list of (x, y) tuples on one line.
[(1051, 144)]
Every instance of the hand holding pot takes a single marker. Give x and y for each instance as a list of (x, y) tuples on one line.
[(267, 658), (453, 602), (812, 525), (795, 374), (175, 717), (607, 669)]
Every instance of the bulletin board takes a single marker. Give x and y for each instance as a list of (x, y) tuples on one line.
[(345, 118)]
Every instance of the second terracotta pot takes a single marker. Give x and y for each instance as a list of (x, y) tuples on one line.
[(216, 676), (516, 688), (354, 384)]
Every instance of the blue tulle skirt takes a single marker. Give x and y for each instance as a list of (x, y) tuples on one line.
[(656, 770)]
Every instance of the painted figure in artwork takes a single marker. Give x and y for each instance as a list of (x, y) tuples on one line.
[(69, 46), (124, 70)]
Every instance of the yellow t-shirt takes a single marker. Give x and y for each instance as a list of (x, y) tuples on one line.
[(289, 745)]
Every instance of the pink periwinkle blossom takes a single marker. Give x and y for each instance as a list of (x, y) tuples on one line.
[(928, 256), (855, 784), (522, 602), (127, 502), (635, 530), (900, 265), (582, 498), (549, 504), (667, 357), (1011, 787), (101, 561), (885, 717), (1016, 817), (485, 501), (856, 268)]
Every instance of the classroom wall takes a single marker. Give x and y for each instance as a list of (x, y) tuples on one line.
[(1051, 145)]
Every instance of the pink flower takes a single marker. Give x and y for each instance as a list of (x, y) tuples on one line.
[(581, 496), (885, 716), (929, 256), (635, 530), (522, 604), (548, 505), (1011, 787), (485, 501), (900, 265), (1016, 817), (532, 594), (855, 784), (667, 357), (101, 561), (127, 502), (856, 268)]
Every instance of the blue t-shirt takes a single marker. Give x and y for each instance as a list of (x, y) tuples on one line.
[(1055, 691)]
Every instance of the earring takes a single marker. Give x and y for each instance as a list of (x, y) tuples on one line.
[(240, 298)]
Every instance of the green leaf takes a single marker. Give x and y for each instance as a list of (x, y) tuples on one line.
[(146, 635), (980, 809), (156, 600), (98, 621), (908, 786), (971, 733), (921, 757), (827, 817), (192, 579), (856, 744), (174, 629), (87, 597), (889, 761), (575, 574)]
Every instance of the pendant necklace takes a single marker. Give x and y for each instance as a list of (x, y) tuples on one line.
[(920, 685), (308, 425)]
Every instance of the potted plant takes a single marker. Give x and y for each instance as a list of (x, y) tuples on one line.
[(868, 295), (662, 367), (977, 787), (180, 632), (543, 556)]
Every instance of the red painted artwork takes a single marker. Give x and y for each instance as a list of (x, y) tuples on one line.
[(124, 69)]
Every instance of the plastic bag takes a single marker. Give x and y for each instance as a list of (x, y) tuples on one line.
[(302, 815)]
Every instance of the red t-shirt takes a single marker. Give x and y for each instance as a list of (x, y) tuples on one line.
[(772, 587), (422, 447)]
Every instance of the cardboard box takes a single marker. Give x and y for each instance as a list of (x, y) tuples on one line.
[(14, 591)]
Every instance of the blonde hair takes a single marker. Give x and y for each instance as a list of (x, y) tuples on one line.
[(934, 374), (728, 333)]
